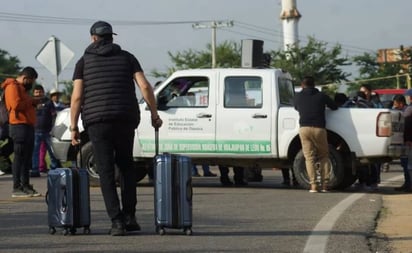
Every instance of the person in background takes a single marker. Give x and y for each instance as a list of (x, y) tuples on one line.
[(399, 103), (45, 113), (54, 95), (42, 158), (286, 177), (238, 176), (311, 103), (104, 92), (374, 168), (340, 99), (22, 118), (371, 96), (206, 171)]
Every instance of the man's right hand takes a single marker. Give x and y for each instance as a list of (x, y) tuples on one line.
[(75, 137), (157, 122)]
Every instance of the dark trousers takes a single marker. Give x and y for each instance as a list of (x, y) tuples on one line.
[(369, 174), (23, 139), (286, 175), (237, 171), (113, 144), (404, 164)]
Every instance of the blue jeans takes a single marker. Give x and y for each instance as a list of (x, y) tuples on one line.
[(38, 138), (406, 174)]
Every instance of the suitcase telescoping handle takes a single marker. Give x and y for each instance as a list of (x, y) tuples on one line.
[(156, 141)]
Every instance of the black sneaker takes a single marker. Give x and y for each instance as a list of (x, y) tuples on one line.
[(131, 224), (240, 183), (20, 193), (117, 229), (30, 190), (286, 183), (400, 188), (225, 181)]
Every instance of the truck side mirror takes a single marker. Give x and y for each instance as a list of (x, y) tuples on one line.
[(162, 103)]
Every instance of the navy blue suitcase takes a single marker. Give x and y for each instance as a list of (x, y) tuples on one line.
[(173, 192), (68, 200)]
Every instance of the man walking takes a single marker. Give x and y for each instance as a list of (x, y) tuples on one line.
[(22, 117), (104, 92), (310, 103)]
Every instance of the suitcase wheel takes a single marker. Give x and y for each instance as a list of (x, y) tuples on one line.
[(73, 231), (160, 230), (86, 230), (65, 231), (188, 231), (52, 230)]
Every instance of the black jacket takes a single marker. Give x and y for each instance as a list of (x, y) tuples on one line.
[(310, 103), (109, 89)]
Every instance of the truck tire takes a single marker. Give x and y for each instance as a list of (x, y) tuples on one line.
[(350, 176), (337, 174), (89, 164)]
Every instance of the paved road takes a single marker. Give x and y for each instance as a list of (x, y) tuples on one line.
[(257, 218)]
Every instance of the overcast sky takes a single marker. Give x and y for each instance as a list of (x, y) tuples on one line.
[(358, 25)]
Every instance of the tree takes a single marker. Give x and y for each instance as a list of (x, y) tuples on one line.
[(312, 59), (369, 68), (9, 65), (228, 55)]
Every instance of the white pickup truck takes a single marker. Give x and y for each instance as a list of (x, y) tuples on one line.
[(245, 117)]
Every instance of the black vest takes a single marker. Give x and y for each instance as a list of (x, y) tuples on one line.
[(109, 90)]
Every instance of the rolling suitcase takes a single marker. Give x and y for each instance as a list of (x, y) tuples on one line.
[(173, 191), (68, 200)]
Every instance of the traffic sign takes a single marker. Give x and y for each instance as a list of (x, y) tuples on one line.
[(55, 56)]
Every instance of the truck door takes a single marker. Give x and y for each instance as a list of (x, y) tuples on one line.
[(243, 123), (188, 112)]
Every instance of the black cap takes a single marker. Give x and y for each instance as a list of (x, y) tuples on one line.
[(101, 28)]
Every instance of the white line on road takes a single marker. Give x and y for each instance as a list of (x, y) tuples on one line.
[(318, 239)]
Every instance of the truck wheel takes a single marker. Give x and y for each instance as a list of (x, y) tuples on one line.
[(89, 164), (142, 170), (350, 177), (337, 170)]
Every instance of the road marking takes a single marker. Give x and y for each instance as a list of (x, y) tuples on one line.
[(318, 239)]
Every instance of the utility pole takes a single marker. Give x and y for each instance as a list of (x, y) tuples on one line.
[(213, 25)]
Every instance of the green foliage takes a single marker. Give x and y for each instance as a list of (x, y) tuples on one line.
[(228, 55), (369, 68), (9, 65), (312, 59)]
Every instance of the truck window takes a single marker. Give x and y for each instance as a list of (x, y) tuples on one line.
[(286, 91), (185, 92), (243, 92)]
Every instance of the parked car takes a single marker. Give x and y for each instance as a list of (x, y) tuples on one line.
[(386, 95)]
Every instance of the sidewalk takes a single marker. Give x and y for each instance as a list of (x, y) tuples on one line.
[(395, 222)]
